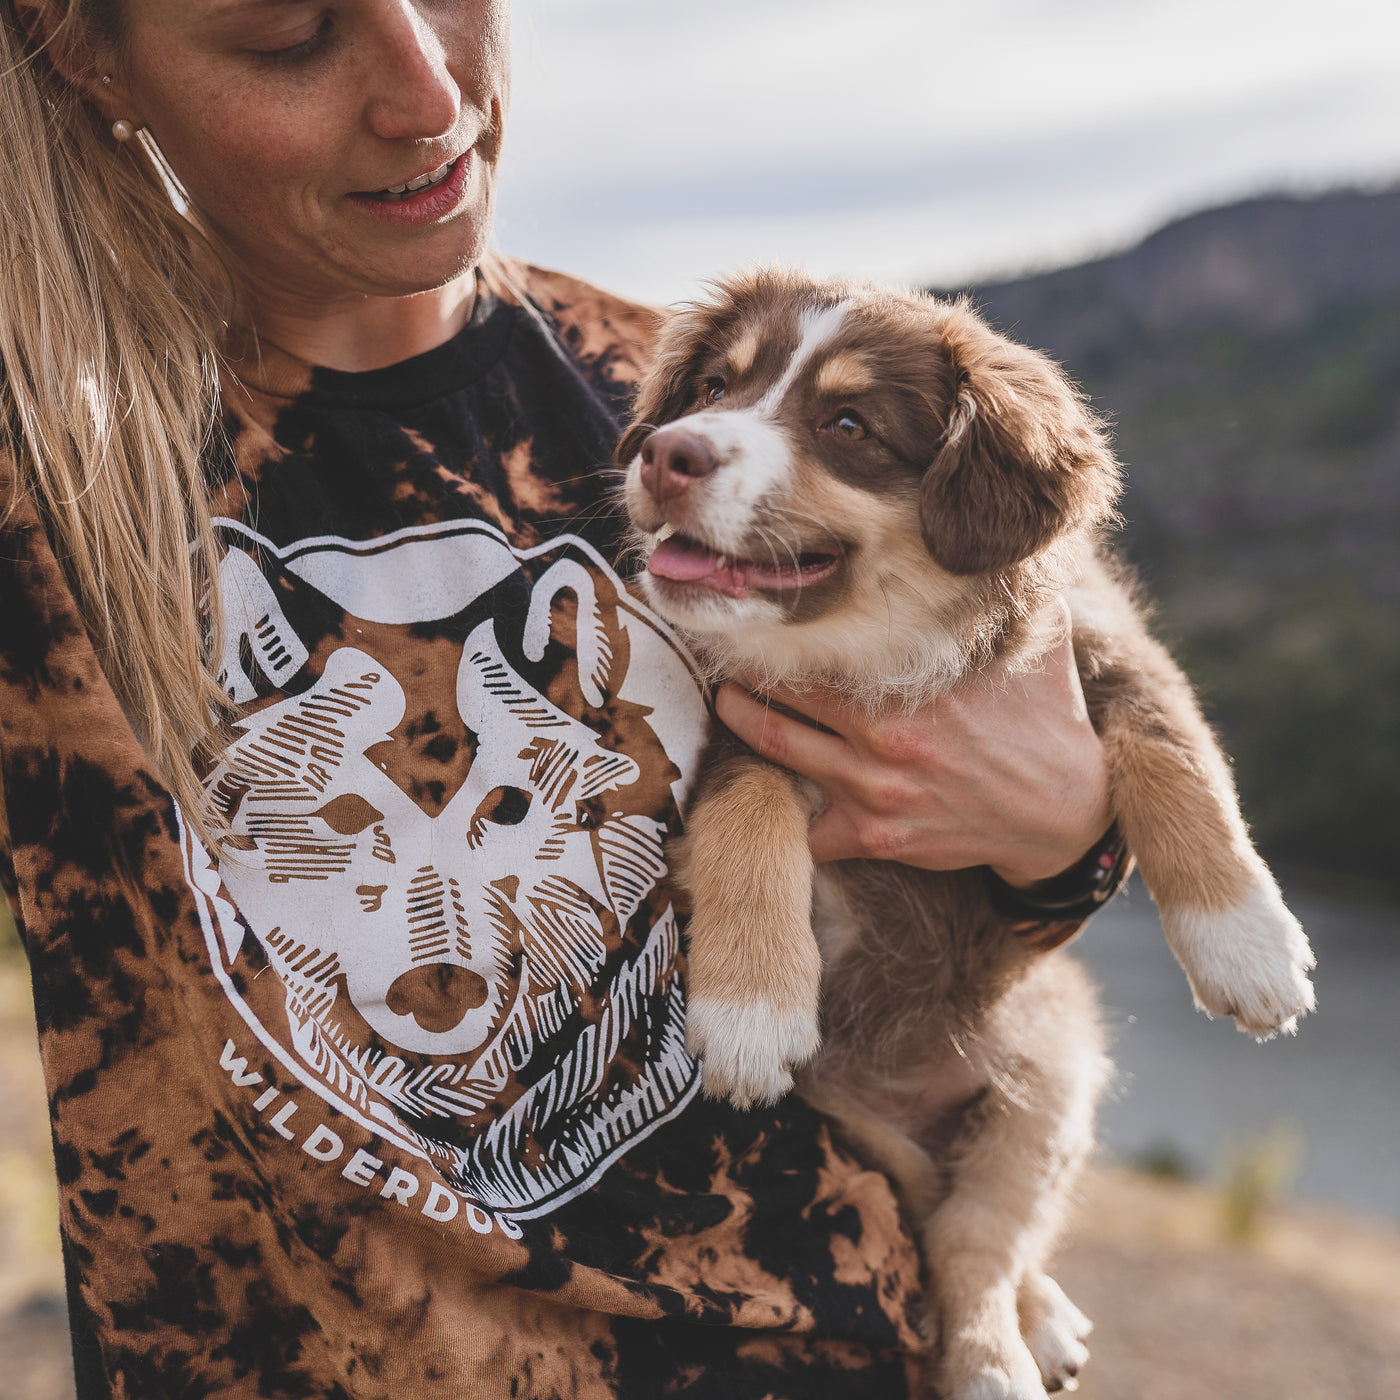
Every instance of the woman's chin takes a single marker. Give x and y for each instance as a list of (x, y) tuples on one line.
[(406, 259)]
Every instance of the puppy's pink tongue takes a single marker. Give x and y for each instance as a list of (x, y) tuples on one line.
[(682, 560)]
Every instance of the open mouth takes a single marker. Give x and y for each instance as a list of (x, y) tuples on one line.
[(396, 194), (680, 559)]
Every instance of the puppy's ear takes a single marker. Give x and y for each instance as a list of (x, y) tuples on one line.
[(668, 389), (1023, 459)]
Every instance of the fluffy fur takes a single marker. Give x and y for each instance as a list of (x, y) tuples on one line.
[(836, 483)]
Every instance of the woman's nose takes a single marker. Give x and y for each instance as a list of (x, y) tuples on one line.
[(414, 96)]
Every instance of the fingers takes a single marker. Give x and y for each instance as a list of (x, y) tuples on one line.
[(1067, 670), (1060, 665), (855, 748), (821, 704), (794, 745), (778, 738), (989, 701), (1057, 615), (834, 836), (898, 736)]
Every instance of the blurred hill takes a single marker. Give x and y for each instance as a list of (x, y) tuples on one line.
[(1249, 360)]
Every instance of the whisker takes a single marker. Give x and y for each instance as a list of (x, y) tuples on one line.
[(889, 613), (769, 537), (803, 516)]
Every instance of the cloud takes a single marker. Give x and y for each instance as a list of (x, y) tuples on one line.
[(653, 143)]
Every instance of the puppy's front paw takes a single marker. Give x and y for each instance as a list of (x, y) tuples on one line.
[(748, 1052), (1011, 1377), (1054, 1331), (984, 1356), (1250, 962)]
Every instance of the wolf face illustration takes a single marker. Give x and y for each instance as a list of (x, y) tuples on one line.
[(484, 957)]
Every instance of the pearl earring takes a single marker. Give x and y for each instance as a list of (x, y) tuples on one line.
[(106, 80), (123, 129)]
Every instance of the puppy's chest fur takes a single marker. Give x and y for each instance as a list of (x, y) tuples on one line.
[(896, 938)]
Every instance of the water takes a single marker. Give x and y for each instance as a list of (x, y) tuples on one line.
[(1199, 1086)]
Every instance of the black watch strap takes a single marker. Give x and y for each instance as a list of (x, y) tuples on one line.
[(1072, 895)]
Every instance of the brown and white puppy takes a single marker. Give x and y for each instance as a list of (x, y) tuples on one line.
[(835, 483)]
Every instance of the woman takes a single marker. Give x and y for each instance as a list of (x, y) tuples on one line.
[(307, 530)]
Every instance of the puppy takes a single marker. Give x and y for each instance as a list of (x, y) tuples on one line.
[(839, 484)]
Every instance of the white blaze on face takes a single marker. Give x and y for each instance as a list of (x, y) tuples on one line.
[(753, 451), (817, 328), (755, 461)]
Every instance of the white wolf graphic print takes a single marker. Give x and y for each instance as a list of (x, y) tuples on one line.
[(462, 893)]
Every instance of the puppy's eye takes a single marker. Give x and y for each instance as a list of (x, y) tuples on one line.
[(847, 425), (714, 390)]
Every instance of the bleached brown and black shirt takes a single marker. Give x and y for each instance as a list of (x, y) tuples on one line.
[(388, 1096)]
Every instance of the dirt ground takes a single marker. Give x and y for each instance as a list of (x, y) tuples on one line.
[(1309, 1310)]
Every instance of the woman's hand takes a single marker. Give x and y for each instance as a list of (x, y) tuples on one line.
[(1004, 771)]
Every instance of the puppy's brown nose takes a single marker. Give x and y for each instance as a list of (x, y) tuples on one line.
[(671, 459)]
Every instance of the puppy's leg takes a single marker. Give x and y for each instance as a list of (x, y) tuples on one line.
[(1012, 1173), (1054, 1330), (1243, 952), (755, 970)]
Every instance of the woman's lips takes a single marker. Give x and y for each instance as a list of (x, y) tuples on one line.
[(418, 206), (417, 184)]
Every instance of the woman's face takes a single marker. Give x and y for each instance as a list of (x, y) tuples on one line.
[(289, 121)]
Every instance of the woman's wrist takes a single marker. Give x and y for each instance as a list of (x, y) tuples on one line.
[(1032, 867), (1076, 892)]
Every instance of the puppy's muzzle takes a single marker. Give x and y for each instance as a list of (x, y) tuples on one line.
[(672, 459)]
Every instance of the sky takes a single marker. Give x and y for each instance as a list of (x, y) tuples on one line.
[(654, 143)]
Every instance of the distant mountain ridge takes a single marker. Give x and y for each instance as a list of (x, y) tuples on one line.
[(1266, 263), (1249, 360)]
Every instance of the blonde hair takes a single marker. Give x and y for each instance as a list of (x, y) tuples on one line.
[(109, 328)]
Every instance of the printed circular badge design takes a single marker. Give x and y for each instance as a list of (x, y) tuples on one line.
[(447, 802)]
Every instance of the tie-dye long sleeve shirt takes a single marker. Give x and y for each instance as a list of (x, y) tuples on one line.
[(388, 1097)]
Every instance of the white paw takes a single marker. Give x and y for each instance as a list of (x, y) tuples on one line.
[(748, 1052), (1250, 962), (1057, 1343), (1017, 1380), (990, 1362)]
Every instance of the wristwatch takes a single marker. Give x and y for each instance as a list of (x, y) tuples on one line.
[(1072, 895)]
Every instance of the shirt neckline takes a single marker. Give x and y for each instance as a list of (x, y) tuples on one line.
[(458, 362)]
